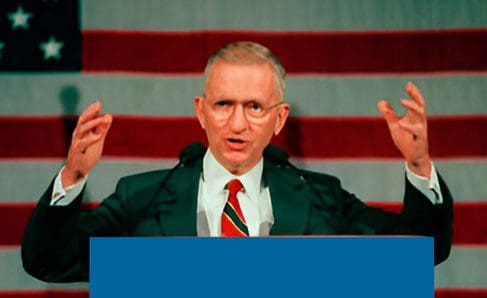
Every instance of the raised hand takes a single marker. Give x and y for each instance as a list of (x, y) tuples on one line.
[(410, 132), (86, 144)]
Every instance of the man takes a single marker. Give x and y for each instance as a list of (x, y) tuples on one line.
[(239, 186)]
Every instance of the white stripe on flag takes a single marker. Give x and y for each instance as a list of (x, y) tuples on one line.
[(371, 180), (172, 95), (279, 15)]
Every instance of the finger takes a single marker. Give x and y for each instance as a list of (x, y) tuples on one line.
[(91, 112), (387, 111), (105, 125), (97, 135), (93, 125), (108, 122), (413, 107), (413, 91), (83, 144)]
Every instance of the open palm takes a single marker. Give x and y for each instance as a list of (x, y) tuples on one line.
[(410, 131)]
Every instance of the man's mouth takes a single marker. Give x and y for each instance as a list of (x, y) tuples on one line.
[(237, 141), (236, 144)]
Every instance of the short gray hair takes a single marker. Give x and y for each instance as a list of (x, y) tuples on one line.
[(247, 52)]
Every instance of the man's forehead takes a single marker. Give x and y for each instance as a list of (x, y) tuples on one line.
[(262, 72), (222, 65)]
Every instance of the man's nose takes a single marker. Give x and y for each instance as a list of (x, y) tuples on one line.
[(238, 119)]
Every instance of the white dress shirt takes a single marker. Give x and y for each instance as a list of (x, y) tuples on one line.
[(254, 200)]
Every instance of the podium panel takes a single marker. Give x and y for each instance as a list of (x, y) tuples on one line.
[(262, 267)]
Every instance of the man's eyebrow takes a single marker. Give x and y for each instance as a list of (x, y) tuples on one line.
[(257, 100), (223, 98)]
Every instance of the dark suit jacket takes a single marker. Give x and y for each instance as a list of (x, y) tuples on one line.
[(55, 244)]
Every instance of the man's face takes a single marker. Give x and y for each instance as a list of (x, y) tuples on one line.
[(233, 95)]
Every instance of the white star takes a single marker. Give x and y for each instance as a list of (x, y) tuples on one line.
[(19, 18), (51, 48), (2, 45)]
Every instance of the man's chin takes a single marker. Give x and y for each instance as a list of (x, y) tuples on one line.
[(236, 162)]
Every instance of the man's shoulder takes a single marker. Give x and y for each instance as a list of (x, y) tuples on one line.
[(324, 182), (289, 173), (150, 175), (278, 164), (144, 179), (318, 176)]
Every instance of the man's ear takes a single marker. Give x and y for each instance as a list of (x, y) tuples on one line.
[(282, 114), (198, 108)]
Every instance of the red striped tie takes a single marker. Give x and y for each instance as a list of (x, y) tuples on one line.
[(233, 220)]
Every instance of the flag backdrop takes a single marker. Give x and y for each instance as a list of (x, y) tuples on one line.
[(144, 60)]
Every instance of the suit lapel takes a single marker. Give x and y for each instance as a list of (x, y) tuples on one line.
[(290, 200), (178, 201)]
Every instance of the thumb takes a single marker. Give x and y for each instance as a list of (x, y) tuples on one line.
[(387, 112), (106, 124)]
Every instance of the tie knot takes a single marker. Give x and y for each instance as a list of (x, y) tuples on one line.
[(234, 186)]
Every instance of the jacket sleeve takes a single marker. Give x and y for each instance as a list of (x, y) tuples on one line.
[(418, 217), (424, 218), (55, 245)]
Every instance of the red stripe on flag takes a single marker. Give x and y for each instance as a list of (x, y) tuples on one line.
[(461, 293), (48, 293), (308, 137), (52, 293), (439, 293), (300, 52), (469, 222)]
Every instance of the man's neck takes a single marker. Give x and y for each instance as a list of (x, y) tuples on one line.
[(217, 175)]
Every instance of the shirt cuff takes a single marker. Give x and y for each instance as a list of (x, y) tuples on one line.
[(429, 187), (63, 197)]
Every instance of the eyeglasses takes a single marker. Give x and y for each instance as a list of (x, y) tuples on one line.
[(254, 110)]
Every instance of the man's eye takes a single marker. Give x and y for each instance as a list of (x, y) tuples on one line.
[(221, 104), (255, 106)]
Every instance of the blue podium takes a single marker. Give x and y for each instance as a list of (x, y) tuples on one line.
[(262, 267)]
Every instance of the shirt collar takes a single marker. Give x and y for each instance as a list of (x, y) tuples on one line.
[(216, 176)]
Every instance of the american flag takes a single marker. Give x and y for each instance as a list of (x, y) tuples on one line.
[(144, 60)]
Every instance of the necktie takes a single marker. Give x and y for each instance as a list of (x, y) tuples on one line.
[(233, 221)]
